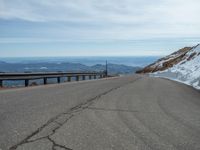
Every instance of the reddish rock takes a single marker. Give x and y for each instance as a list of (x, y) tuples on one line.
[(167, 62)]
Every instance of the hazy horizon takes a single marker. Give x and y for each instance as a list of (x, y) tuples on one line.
[(81, 56)]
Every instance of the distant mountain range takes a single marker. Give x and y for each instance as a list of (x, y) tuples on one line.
[(113, 69), (2, 62), (183, 66)]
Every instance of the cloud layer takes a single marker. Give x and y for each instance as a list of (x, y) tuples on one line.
[(97, 21), (152, 17)]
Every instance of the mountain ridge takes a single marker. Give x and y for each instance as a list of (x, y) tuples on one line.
[(182, 65), (113, 69)]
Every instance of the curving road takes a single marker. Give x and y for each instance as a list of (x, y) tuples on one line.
[(125, 113)]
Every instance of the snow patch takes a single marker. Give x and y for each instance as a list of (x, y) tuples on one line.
[(43, 68), (187, 71)]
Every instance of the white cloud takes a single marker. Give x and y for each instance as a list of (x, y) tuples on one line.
[(115, 18)]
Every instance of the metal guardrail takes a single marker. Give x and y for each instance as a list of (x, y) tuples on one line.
[(33, 76)]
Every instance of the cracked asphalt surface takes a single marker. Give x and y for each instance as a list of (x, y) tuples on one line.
[(123, 113)]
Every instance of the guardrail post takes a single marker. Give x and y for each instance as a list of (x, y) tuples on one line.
[(45, 80), (58, 79), (26, 82), (69, 78), (77, 78), (83, 77), (1, 83)]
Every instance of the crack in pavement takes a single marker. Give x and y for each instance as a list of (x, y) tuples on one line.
[(120, 110), (50, 127), (57, 145)]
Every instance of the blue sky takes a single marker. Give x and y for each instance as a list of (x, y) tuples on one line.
[(97, 28)]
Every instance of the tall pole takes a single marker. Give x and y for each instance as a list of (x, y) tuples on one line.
[(106, 71)]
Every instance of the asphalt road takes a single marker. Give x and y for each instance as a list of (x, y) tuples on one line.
[(125, 113)]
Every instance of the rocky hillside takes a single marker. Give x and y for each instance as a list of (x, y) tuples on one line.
[(166, 62), (183, 66)]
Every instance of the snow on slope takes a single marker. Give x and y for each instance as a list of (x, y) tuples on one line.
[(166, 62), (186, 71)]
